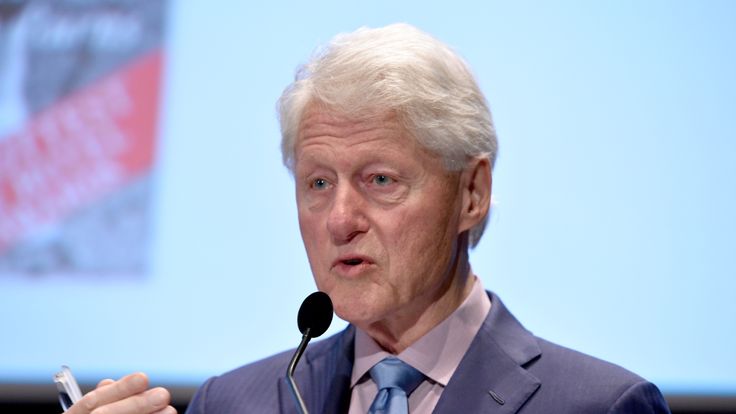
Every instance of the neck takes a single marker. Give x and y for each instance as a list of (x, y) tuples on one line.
[(397, 333)]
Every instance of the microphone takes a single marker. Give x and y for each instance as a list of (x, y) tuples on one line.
[(315, 316)]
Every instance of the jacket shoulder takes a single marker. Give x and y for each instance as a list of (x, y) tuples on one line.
[(587, 384), (253, 387), (563, 380), (249, 388)]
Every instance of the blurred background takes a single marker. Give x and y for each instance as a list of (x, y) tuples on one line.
[(146, 221)]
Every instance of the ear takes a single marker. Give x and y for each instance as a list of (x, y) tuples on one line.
[(476, 183)]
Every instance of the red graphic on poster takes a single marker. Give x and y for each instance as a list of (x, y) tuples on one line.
[(79, 149), (79, 106)]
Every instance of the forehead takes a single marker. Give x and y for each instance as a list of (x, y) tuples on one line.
[(324, 133), (318, 122), (328, 136)]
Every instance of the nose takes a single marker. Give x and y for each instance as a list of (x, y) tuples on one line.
[(346, 219)]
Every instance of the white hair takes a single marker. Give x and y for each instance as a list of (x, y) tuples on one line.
[(402, 70)]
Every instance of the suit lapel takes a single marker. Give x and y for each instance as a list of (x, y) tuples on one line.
[(491, 377), (323, 376)]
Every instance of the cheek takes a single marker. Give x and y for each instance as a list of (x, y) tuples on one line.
[(424, 246), (311, 237), (308, 223), (419, 252)]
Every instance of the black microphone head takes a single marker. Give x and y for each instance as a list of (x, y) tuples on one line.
[(315, 314)]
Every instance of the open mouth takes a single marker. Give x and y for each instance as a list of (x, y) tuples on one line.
[(352, 262), (349, 265)]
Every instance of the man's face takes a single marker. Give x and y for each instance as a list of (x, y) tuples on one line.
[(379, 216)]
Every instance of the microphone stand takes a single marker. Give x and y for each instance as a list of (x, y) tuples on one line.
[(290, 372)]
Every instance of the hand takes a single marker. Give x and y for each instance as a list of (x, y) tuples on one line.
[(128, 395)]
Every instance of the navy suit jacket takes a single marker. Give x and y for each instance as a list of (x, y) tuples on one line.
[(506, 370)]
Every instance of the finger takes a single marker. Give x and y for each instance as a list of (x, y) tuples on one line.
[(123, 388), (104, 382), (151, 401), (167, 410)]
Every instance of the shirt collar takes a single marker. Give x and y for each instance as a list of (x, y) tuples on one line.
[(450, 339)]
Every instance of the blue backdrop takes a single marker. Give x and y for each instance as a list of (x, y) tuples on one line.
[(612, 230)]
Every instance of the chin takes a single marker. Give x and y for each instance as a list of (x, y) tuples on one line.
[(360, 302), (360, 312)]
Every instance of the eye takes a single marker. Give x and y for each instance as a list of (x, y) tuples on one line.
[(319, 184), (382, 180)]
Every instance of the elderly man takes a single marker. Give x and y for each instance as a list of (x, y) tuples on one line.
[(391, 145)]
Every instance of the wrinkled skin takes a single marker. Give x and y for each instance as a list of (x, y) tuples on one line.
[(384, 223)]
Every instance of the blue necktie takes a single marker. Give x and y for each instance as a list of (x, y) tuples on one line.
[(395, 380)]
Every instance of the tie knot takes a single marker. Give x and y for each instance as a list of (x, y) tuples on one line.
[(393, 373)]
